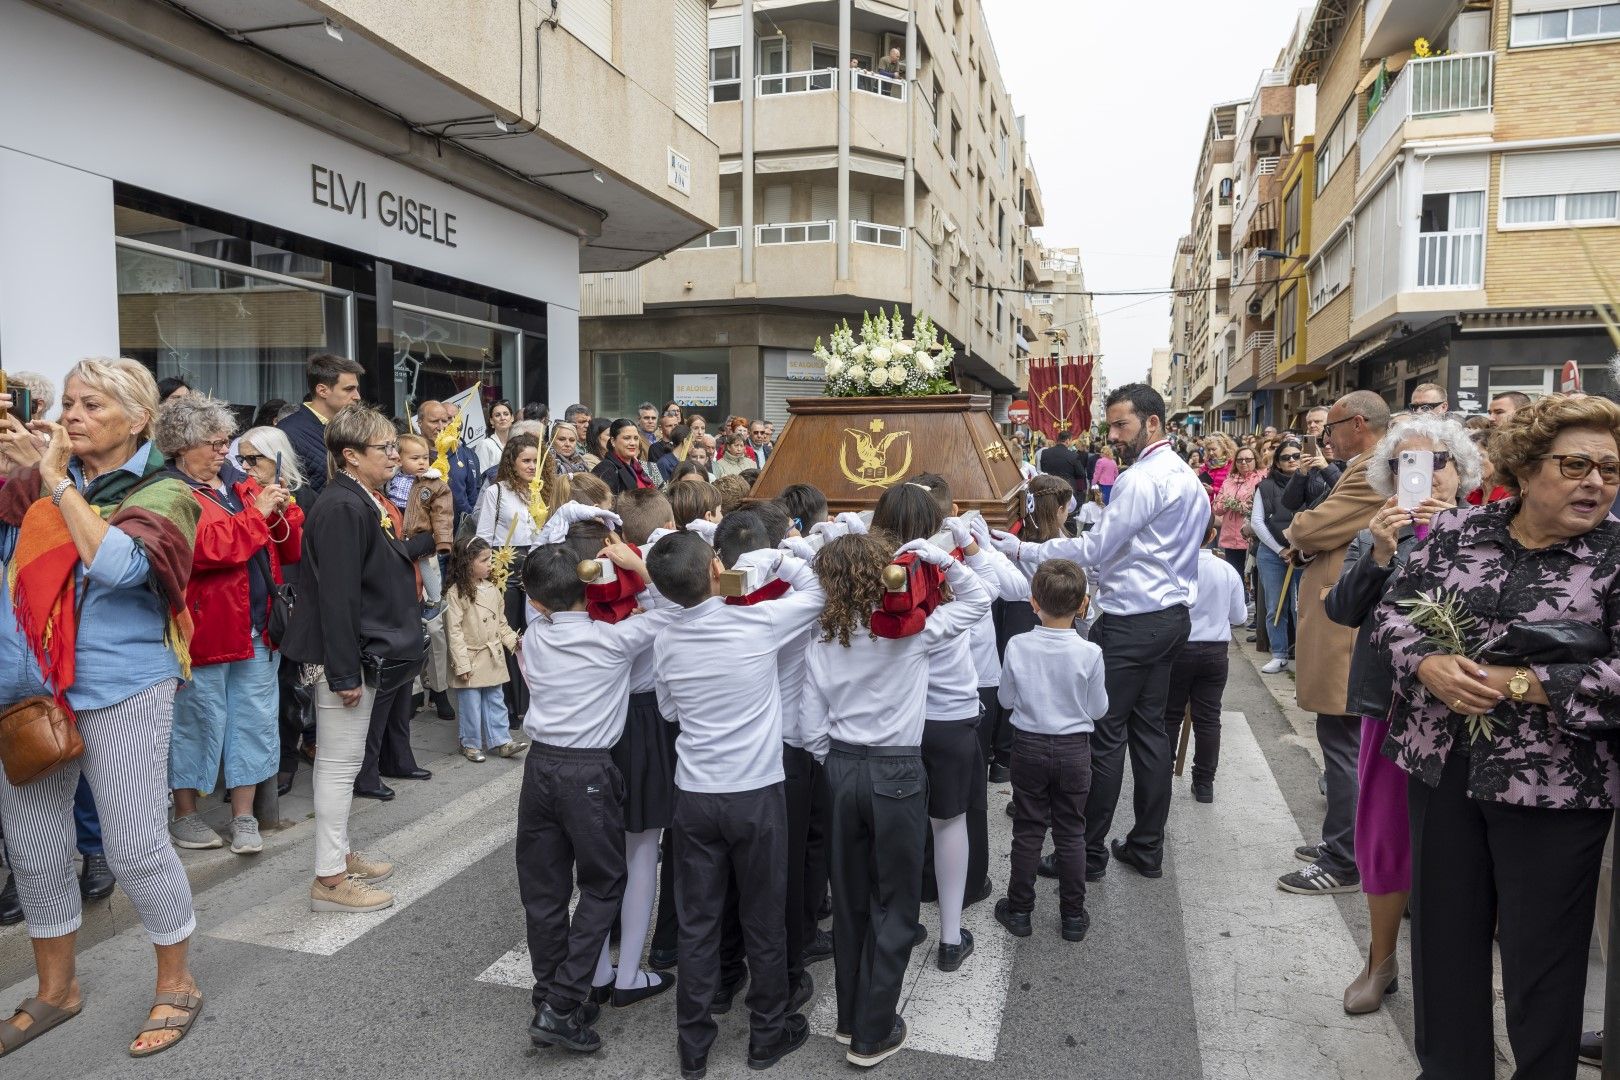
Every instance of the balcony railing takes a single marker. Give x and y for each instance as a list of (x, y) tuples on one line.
[(1451, 260), (1436, 86), (720, 238), (881, 85), (796, 232), (1266, 166), (869, 232), (796, 82)]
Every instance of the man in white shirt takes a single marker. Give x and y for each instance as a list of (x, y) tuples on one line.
[(1199, 673), (1145, 552)]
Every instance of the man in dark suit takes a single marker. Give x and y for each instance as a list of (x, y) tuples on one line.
[(334, 384), (1062, 460)]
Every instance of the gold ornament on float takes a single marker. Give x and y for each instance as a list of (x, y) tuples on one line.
[(874, 468)]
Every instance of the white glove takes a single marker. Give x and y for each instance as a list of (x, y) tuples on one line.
[(961, 535), (799, 548), (829, 530), (927, 552), (702, 528), (555, 530), (852, 523), (1006, 543), (980, 530)]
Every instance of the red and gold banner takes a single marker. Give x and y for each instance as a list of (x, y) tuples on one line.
[(1060, 394)]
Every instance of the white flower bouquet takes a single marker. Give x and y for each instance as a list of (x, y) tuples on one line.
[(884, 361)]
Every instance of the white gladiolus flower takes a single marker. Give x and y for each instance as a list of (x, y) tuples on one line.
[(879, 377), (897, 374), (880, 356)]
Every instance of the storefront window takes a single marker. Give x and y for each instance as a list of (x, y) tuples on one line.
[(444, 343), (242, 335), (626, 379)]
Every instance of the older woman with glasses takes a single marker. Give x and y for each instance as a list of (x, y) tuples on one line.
[(361, 624), (1513, 774), (226, 716)]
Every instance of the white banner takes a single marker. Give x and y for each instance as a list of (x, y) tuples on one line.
[(695, 390)]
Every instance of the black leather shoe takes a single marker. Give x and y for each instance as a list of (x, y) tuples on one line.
[(1124, 854), (920, 936), (974, 896), (600, 995), (1047, 867), (725, 995), (795, 1029), (441, 705), (659, 982), (1097, 874), (569, 1030), (284, 780), (96, 879), (414, 774), (951, 956), (819, 949), (11, 911), (1075, 927), (800, 994), (663, 959), (867, 1054), (382, 793), (1016, 922), (1204, 790), (695, 1068), (1000, 774)]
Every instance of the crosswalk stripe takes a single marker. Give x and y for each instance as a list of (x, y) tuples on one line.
[(1267, 967), (426, 854)]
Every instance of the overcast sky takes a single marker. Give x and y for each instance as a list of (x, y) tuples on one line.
[(1116, 97)]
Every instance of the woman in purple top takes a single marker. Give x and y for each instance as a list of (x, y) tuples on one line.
[(1508, 828)]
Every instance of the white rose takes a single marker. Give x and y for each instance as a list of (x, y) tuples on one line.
[(879, 376), (925, 363), (856, 373), (881, 356), (904, 348), (897, 374), (859, 352), (835, 367)]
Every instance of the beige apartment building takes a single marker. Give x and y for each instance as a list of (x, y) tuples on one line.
[(842, 189), (1209, 337), (220, 189), (1061, 313)]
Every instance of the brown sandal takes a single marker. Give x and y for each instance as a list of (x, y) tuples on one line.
[(45, 1016), (190, 1004)]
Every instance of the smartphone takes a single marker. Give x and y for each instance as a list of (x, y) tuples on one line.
[(1414, 478), (278, 468), (1311, 447)]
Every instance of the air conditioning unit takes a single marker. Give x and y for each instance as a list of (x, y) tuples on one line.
[(1254, 307), (1269, 146)]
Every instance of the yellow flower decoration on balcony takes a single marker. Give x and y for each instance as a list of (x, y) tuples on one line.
[(1421, 49)]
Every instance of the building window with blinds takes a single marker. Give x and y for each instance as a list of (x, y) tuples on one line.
[(1332, 151), (1561, 188), (1553, 22)]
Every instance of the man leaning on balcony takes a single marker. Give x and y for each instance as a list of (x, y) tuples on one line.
[(891, 66)]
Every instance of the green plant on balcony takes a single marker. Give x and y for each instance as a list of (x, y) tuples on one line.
[(883, 361)]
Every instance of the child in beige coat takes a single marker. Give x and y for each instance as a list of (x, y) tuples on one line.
[(479, 638)]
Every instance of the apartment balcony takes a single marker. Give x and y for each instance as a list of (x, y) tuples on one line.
[(1243, 371), (1389, 26), (1438, 97), (1434, 274), (798, 110)]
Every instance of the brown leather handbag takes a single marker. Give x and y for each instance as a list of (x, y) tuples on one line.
[(37, 737)]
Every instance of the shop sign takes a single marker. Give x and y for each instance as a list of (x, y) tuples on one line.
[(803, 365), (354, 197), (1569, 380), (695, 390), (1468, 376)]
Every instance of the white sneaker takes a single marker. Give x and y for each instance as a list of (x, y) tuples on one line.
[(1273, 666)]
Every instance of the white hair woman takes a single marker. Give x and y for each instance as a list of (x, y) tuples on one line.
[(226, 717), (267, 455), (103, 563)]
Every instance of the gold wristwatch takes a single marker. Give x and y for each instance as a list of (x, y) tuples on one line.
[(1519, 685)]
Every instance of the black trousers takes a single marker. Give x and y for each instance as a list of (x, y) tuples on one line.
[(879, 822), (995, 728), (716, 836), (293, 713), (570, 826), (1198, 676), (1533, 873), (1051, 776), (1138, 651), (799, 790), (388, 739), (516, 692)]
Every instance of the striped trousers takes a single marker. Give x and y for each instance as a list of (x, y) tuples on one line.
[(126, 761)]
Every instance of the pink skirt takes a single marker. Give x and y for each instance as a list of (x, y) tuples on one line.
[(1383, 833)]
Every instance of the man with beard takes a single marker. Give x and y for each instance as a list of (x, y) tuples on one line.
[(1145, 554)]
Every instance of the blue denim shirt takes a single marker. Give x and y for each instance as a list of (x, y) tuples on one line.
[(120, 626)]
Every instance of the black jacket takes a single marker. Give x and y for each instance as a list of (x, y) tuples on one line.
[(308, 437), (357, 587), (1273, 506), (1066, 462), (617, 475), (1351, 602), (1311, 486)]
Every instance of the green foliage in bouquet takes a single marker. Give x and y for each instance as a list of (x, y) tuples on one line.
[(884, 362)]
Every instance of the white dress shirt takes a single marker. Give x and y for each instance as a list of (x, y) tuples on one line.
[(874, 692), (1221, 604), (725, 694), (789, 659), (1145, 547), (1052, 680), (497, 506), (1004, 581), (578, 672)]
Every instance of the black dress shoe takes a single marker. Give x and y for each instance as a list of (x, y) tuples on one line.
[(1204, 790), (1096, 875), (600, 995), (96, 879), (1016, 922), (1075, 926), (1000, 774), (657, 984), (1010, 810), (951, 956), (663, 959), (867, 1054), (11, 911), (569, 1030), (974, 896), (1047, 867), (284, 779), (382, 792), (1130, 858), (920, 936), (442, 706), (799, 994), (795, 1029), (724, 996), (694, 1068), (414, 774), (821, 948)]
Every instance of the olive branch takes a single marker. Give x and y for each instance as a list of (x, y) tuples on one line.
[(1446, 623)]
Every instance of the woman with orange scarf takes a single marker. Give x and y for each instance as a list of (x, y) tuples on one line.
[(96, 543)]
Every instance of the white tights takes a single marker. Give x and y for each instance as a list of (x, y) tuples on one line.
[(636, 911), (950, 873)]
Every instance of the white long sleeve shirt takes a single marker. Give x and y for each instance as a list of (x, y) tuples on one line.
[(1004, 581), (578, 671), (497, 506), (1052, 680), (873, 693), (1221, 604), (1257, 522), (1145, 547), (725, 695)]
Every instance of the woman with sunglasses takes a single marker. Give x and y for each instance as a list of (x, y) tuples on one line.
[(1268, 519), (1513, 771)]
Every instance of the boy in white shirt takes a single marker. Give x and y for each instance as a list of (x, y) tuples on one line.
[(1052, 681), (1199, 672), (730, 808)]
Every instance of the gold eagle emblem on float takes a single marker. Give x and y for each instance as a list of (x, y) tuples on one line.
[(873, 456)]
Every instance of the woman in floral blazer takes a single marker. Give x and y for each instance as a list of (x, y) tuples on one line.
[(1509, 822)]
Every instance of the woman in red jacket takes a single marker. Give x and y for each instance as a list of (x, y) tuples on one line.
[(227, 713)]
